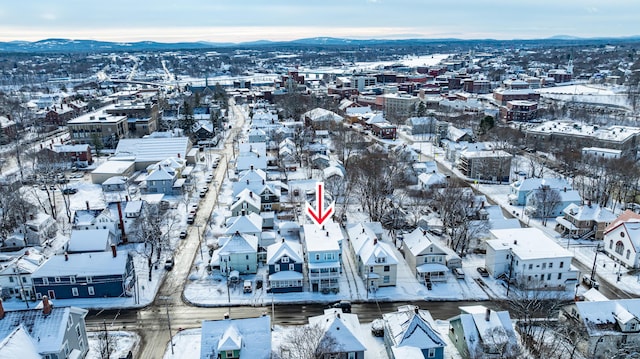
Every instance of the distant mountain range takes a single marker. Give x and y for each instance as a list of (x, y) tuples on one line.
[(67, 45)]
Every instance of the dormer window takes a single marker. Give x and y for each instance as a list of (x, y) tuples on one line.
[(285, 259)]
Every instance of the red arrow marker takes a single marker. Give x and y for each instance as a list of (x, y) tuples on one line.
[(318, 215)]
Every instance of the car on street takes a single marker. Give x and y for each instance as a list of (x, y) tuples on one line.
[(183, 234), (590, 282), (344, 305), (191, 218), (168, 264), (483, 271), (203, 193), (69, 191)]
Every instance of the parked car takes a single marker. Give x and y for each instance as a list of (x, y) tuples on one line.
[(191, 218), (203, 193), (344, 305), (377, 328), (69, 191), (589, 282), (458, 273), (209, 178), (483, 271), (183, 234), (248, 287), (168, 264)]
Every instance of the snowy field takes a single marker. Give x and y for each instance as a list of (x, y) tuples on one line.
[(605, 95), (120, 343)]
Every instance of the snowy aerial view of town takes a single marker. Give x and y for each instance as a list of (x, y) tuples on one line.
[(366, 179)]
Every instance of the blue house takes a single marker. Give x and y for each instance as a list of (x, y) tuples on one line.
[(410, 333), (85, 275), (285, 263)]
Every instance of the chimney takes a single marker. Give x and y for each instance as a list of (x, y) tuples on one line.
[(327, 233), (252, 167), (487, 315), (178, 155), (375, 241), (416, 309), (263, 182), (66, 256), (226, 315), (515, 241), (46, 305), (114, 252), (87, 203), (124, 235), (126, 198), (250, 194), (362, 229), (424, 232), (565, 189), (1, 310)]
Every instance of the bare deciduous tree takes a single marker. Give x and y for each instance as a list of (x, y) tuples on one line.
[(545, 200), (308, 342)]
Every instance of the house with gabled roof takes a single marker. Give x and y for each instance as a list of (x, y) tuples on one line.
[(54, 332), (18, 344), (286, 264), (521, 188), (87, 219), (246, 202), (257, 135), (248, 224), (426, 259), (15, 276), (410, 333), (376, 260), (238, 252), (479, 332), (342, 332), (585, 221), (160, 180), (36, 231), (236, 338), (604, 326), (256, 181), (622, 239)]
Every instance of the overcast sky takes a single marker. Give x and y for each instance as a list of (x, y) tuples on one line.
[(248, 20)]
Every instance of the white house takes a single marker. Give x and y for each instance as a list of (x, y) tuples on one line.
[(530, 258), (410, 333), (15, 276), (521, 188), (622, 239), (344, 331), (246, 202), (376, 260), (236, 338), (323, 249)]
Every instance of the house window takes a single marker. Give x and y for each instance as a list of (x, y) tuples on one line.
[(611, 244), (56, 279), (628, 253), (559, 275), (549, 276), (292, 267), (561, 264), (550, 265), (91, 291), (351, 355), (89, 279), (386, 279), (530, 266), (285, 259), (317, 257), (72, 279), (24, 280), (247, 267), (432, 353), (10, 279), (45, 281), (386, 268), (78, 331), (74, 292), (370, 269), (544, 265), (619, 247), (276, 268), (229, 354), (246, 257)]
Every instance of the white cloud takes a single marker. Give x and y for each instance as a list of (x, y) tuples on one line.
[(592, 10)]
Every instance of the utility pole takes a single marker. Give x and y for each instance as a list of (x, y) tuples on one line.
[(593, 268), (22, 293), (510, 272), (169, 324), (106, 337)]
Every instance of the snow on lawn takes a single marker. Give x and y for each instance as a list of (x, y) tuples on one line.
[(186, 344), (120, 342)]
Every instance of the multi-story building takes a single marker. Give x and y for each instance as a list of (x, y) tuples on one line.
[(519, 110), (98, 126), (142, 117), (502, 95), (376, 260), (493, 165), (396, 104), (530, 259), (323, 250)]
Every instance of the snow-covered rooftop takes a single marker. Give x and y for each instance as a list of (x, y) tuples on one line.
[(527, 243), (251, 335)]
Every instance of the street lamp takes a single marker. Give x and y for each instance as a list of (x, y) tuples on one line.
[(198, 226)]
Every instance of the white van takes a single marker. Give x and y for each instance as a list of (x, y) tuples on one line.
[(248, 288)]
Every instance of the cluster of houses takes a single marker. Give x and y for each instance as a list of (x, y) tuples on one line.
[(409, 332)]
